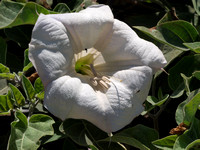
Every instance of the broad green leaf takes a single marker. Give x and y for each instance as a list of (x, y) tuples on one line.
[(15, 14), (26, 59), (165, 143), (173, 33), (38, 85), (196, 74), (7, 76), (56, 136), (4, 69), (195, 145), (3, 50), (28, 88), (17, 95), (187, 65), (191, 108), (139, 136), (195, 46), (188, 136), (3, 103), (180, 112), (20, 34), (62, 8), (25, 135)]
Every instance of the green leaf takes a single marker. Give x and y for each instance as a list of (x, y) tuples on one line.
[(26, 134), (62, 8), (188, 136), (15, 14), (180, 112), (139, 136), (196, 5), (3, 103), (7, 76), (38, 85), (187, 65), (194, 145), (187, 83), (195, 46), (165, 143), (191, 108), (4, 69), (3, 50), (196, 74), (179, 91), (80, 131), (20, 34), (27, 67), (17, 95), (26, 59), (173, 33), (28, 88)]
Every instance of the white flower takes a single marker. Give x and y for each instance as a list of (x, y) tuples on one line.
[(93, 67)]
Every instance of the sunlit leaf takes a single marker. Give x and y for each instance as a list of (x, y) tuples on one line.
[(196, 5), (8, 76), (139, 136), (26, 134), (4, 69), (38, 85), (17, 95), (173, 33), (26, 59), (14, 14), (180, 112), (28, 88), (195, 145), (189, 136), (191, 108), (165, 143), (27, 67), (195, 46), (3, 103)]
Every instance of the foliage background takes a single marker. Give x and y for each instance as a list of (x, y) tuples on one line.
[(171, 119)]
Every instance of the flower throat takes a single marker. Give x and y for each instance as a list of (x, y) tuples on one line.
[(84, 66)]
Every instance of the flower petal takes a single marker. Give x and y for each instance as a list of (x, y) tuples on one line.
[(69, 97), (50, 50), (88, 27), (125, 45)]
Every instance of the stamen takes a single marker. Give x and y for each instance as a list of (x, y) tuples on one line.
[(102, 81)]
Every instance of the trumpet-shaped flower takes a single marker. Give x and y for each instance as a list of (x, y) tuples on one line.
[(93, 67)]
